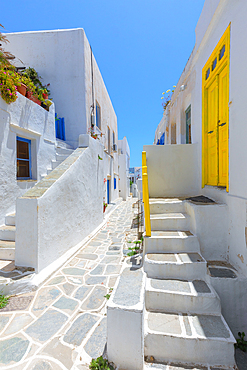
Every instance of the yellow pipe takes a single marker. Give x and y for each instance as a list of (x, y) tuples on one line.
[(146, 194)]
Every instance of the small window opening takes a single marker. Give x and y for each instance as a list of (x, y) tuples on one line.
[(188, 125), (23, 158), (222, 52), (98, 116), (214, 64), (207, 73)]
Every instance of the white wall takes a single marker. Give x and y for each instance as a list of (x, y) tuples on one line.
[(26, 119), (62, 209), (58, 58), (123, 164), (172, 170)]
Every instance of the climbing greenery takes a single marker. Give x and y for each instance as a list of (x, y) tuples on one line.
[(3, 301), (100, 364), (241, 342)]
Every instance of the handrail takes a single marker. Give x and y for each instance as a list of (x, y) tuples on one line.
[(146, 194)]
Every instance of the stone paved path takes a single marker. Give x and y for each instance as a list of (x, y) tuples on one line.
[(62, 325)]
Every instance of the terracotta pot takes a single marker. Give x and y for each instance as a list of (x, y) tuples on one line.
[(45, 96), (29, 94), (22, 89), (36, 100)]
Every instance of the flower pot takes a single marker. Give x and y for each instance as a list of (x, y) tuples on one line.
[(35, 100), (45, 96), (104, 207), (29, 94), (22, 89), (45, 106)]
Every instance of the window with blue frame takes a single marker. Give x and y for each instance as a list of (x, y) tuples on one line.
[(23, 158), (115, 183), (188, 125)]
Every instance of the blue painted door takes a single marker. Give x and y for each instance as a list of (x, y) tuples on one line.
[(108, 191)]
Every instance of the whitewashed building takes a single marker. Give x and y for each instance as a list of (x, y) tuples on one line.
[(64, 59), (58, 202), (206, 119), (123, 164)]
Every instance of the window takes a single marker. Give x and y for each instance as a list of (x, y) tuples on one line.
[(222, 52), (23, 158), (173, 134), (115, 183), (113, 138), (108, 140), (188, 125), (98, 116), (214, 64)]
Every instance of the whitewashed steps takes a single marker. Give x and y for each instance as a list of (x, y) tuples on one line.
[(64, 151), (199, 339), (171, 241), (163, 205), (7, 233), (61, 157), (7, 250), (169, 221), (181, 296), (10, 219), (55, 164), (182, 266)]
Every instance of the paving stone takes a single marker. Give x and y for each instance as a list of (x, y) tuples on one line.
[(98, 270), (88, 256), (210, 326), (41, 364), (79, 329), (96, 344), (91, 248), (171, 285), (112, 281), (66, 304), (111, 259), (187, 325), (222, 273), (164, 323), (112, 269), (73, 262), (76, 280), (129, 288), (82, 292), (18, 303), (68, 288), (113, 253), (60, 352), (200, 286), (19, 322), (102, 236), (74, 271), (93, 280), (81, 264), (3, 321), (114, 248), (47, 325), (96, 299), (12, 350), (56, 280), (44, 298)]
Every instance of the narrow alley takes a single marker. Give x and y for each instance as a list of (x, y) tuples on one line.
[(62, 325)]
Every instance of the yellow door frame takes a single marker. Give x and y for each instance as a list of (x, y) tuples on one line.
[(214, 66)]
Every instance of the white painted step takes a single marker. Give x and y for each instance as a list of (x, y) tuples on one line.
[(163, 205), (62, 144), (170, 221), (49, 170), (7, 233), (61, 157), (7, 250), (182, 266), (199, 339), (55, 164), (171, 241), (183, 296), (64, 151), (10, 219)]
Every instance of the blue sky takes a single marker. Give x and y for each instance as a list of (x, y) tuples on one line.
[(141, 48)]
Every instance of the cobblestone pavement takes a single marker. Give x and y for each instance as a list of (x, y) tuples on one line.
[(62, 325)]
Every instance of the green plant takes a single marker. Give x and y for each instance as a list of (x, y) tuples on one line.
[(100, 364), (8, 82), (3, 301), (101, 159), (241, 342), (131, 182), (167, 96), (39, 88), (132, 253), (107, 296)]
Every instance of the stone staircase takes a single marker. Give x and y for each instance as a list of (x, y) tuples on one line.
[(183, 325), (7, 231)]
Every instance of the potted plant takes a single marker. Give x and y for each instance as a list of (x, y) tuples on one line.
[(104, 206)]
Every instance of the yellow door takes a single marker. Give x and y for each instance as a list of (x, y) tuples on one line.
[(223, 127), (215, 121), (211, 134)]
